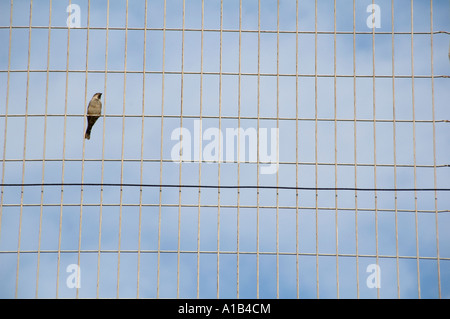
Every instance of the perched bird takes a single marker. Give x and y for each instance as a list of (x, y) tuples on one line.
[(93, 113)]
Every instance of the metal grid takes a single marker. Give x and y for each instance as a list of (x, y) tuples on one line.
[(277, 258)]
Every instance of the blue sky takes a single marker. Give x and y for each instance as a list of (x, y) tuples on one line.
[(81, 161)]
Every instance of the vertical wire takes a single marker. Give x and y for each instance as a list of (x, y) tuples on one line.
[(375, 146), (257, 154), (83, 158), (220, 147), (434, 153), (161, 148), (395, 152), (200, 152), (44, 147), (335, 158), (181, 151), (63, 157), (414, 149), (296, 150), (24, 148), (103, 152), (315, 148), (123, 144), (239, 148), (278, 127), (354, 150), (84, 147), (6, 113), (142, 151)]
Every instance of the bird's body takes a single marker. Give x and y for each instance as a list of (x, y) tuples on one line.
[(93, 113)]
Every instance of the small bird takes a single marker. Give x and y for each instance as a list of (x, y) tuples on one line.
[(93, 113)]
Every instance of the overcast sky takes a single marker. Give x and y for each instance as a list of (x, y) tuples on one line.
[(51, 149)]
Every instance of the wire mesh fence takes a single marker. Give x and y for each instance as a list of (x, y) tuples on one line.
[(245, 149)]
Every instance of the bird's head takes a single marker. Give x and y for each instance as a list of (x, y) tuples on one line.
[(98, 95)]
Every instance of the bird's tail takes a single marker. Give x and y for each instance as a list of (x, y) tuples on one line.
[(87, 135), (90, 123)]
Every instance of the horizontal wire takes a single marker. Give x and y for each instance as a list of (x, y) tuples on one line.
[(230, 117), (350, 76), (224, 30), (225, 252), (283, 207), (131, 160), (230, 187)]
